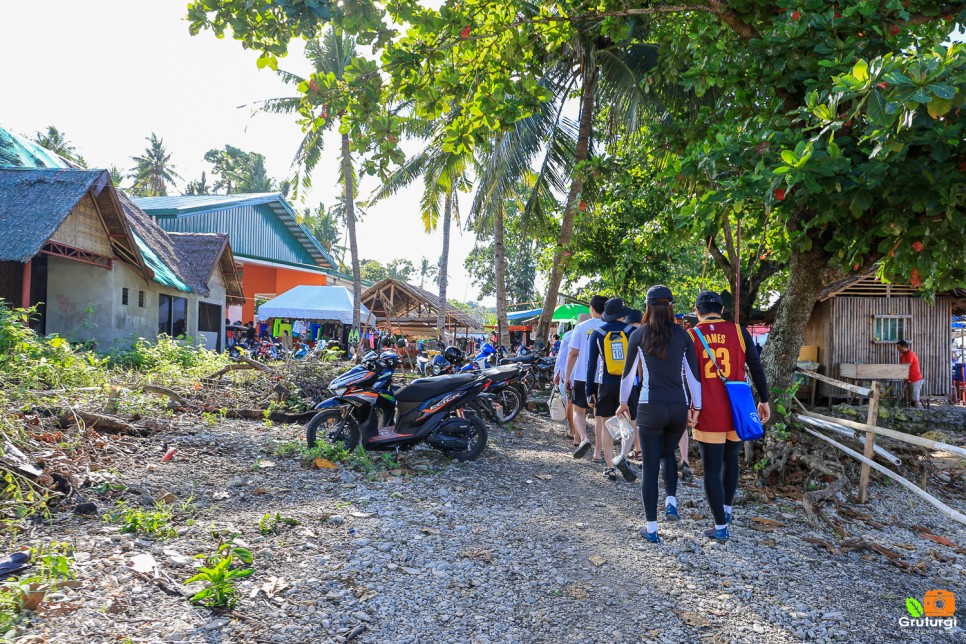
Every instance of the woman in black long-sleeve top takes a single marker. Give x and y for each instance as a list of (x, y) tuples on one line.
[(670, 397)]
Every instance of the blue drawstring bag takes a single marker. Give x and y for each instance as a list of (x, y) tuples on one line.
[(744, 410)]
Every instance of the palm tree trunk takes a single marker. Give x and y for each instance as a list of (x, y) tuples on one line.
[(350, 224), (499, 264), (562, 256), (444, 265)]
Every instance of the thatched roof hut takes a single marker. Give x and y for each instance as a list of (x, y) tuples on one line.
[(200, 255), (37, 201)]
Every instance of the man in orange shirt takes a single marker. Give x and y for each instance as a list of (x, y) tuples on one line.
[(909, 357)]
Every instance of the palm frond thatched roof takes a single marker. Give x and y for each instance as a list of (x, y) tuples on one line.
[(200, 254)]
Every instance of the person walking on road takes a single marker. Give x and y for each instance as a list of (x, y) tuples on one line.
[(578, 354), (560, 379), (670, 398), (605, 367), (714, 430)]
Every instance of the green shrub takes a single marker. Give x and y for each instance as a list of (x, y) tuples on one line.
[(219, 574)]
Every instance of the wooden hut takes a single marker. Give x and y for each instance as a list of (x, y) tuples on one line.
[(858, 320), (412, 311)]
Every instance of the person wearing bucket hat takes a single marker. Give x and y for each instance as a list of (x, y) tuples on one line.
[(670, 397), (605, 367), (714, 431)]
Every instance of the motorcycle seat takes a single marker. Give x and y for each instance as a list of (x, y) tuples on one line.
[(527, 359), (426, 388), (504, 372)]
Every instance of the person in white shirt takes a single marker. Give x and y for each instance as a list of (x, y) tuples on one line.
[(578, 354), (560, 380)]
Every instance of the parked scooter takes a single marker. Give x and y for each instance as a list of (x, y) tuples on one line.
[(503, 396), (365, 410)]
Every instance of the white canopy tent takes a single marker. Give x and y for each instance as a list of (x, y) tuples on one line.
[(325, 303)]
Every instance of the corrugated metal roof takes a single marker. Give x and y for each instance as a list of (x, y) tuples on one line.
[(243, 217)]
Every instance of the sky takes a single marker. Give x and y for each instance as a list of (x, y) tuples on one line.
[(109, 72)]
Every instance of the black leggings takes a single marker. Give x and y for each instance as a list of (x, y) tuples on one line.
[(720, 463), (660, 427)]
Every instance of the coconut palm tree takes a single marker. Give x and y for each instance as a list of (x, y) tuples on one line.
[(426, 271), (444, 174), (153, 170), (602, 77), (57, 142), (199, 187), (329, 54)]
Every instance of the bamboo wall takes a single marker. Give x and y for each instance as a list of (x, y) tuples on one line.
[(83, 229), (842, 329)]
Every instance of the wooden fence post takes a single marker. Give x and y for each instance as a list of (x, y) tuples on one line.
[(872, 420)]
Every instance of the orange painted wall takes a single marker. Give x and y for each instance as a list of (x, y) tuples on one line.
[(269, 279)]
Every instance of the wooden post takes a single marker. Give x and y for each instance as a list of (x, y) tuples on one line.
[(872, 420), (25, 285)]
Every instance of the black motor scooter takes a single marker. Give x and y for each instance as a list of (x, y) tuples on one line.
[(431, 410)]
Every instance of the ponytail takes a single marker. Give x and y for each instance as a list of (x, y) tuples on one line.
[(657, 327)]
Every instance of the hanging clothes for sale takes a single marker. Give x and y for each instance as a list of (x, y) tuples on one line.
[(298, 326), (275, 329), (262, 329), (282, 328), (314, 331)]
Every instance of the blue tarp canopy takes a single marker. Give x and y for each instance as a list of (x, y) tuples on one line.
[(326, 303), (524, 315)]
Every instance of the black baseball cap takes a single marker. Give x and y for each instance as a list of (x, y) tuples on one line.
[(659, 292), (708, 297), (634, 317), (614, 309)]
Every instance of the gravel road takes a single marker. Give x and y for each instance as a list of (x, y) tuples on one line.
[(523, 545)]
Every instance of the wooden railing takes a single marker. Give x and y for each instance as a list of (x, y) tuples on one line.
[(871, 429)]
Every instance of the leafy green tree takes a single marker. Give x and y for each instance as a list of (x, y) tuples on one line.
[(238, 171), (153, 170), (401, 269), (373, 270), (57, 142)]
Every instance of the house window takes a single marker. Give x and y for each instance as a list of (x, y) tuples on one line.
[(889, 329), (141, 299), (172, 315), (124, 296)]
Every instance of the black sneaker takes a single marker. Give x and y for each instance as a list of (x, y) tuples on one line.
[(626, 470), (610, 474), (686, 473), (580, 451)]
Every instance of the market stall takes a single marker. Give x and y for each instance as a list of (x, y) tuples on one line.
[(312, 313)]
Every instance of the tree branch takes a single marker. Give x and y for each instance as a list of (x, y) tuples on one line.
[(720, 259)]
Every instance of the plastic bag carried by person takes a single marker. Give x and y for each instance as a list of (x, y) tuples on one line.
[(620, 428), (558, 408)]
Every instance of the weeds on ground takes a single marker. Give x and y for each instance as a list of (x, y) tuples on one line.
[(273, 524), (359, 460), (220, 573), (51, 564), (168, 359), (152, 523)]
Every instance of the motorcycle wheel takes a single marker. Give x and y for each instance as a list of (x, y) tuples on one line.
[(529, 381), (477, 436), (436, 370), (509, 403), (328, 426)]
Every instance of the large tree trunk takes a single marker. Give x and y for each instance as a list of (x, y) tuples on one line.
[(444, 266), (350, 223), (499, 267), (808, 274), (562, 256)]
